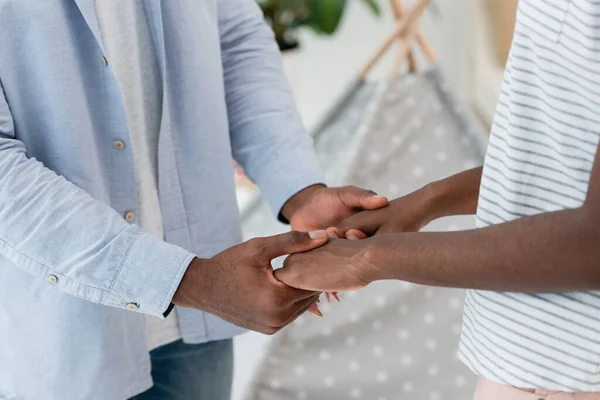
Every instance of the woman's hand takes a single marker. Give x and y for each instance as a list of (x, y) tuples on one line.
[(338, 266)]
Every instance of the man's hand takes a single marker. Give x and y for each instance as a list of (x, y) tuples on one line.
[(339, 265), (238, 284), (319, 207)]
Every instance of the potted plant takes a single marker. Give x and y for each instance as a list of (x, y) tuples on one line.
[(322, 16)]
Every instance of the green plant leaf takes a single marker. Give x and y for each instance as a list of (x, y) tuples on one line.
[(325, 15), (374, 6)]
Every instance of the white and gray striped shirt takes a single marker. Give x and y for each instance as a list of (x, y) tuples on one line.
[(541, 151)]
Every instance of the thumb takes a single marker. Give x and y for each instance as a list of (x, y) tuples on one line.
[(354, 197), (292, 242)]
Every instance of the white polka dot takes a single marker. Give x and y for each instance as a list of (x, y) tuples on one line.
[(381, 398), (437, 107), (380, 301), (299, 321), (460, 381), (406, 360), (327, 331), (439, 131), (465, 140), (452, 228), (414, 147), (355, 317), (350, 341), (456, 329), (273, 360), (329, 381), (416, 123), (353, 366), (435, 396), (300, 370), (350, 294), (377, 325), (302, 396), (431, 344), (403, 334), (391, 97), (299, 345), (408, 387), (325, 355), (275, 384), (397, 140), (406, 286), (455, 302), (410, 101), (418, 171), (429, 318), (377, 351), (409, 80), (442, 156), (382, 376), (355, 393), (394, 189), (403, 309), (374, 157), (433, 370), (429, 292), (455, 355)]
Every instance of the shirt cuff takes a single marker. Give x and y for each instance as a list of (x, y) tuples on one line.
[(149, 276)]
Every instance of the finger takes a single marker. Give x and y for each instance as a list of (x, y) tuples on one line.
[(354, 198), (334, 233), (355, 234), (366, 222), (314, 309), (302, 307), (335, 296), (328, 297), (289, 243)]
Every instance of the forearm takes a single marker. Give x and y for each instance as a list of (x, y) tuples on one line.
[(455, 195), (548, 252)]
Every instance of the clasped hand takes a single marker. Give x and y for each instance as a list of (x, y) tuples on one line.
[(345, 262)]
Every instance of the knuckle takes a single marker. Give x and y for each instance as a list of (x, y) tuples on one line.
[(295, 238)]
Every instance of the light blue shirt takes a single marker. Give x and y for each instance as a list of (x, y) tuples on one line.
[(75, 277)]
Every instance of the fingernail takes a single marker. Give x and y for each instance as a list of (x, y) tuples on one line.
[(317, 312), (314, 235), (353, 237), (335, 295), (327, 297), (376, 196)]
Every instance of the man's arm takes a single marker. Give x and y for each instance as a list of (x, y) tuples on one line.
[(267, 135), (549, 252), (55, 231)]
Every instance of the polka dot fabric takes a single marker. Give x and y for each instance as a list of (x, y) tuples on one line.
[(392, 340)]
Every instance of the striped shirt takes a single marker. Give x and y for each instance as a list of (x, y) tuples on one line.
[(540, 155)]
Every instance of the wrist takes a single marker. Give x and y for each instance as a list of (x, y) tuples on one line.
[(370, 260), (434, 198), (195, 284)]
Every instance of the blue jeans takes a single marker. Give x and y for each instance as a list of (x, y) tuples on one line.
[(191, 371)]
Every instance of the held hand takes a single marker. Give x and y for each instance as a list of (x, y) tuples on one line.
[(319, 207), (405, 214), (339, 265), (238, 284)]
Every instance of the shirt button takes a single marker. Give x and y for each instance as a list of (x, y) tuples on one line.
[(104, 61), (52, 279), (132, 306), (119, 144), (129, 216)]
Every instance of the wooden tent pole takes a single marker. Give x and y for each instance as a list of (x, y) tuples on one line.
[(399, 11), (402, 29), (423, 42)]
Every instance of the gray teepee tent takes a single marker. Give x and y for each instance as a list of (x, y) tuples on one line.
[(391, 340)]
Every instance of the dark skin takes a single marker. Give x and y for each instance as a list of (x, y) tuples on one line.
[(550, 252), (238, 284)]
